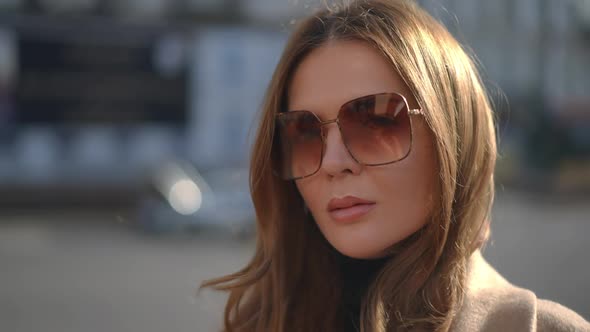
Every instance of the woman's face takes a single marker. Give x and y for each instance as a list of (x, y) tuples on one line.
[(399, 196)]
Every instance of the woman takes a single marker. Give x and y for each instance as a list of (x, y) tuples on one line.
[(372, 179)]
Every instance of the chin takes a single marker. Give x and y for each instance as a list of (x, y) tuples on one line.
[(359, 252)]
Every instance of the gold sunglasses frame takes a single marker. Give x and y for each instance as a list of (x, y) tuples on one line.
[(411, 111)]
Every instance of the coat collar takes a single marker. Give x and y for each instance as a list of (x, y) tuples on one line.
[(491, 303)]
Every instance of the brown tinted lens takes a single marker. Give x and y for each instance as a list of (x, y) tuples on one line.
[(376, 129), (299, 141)]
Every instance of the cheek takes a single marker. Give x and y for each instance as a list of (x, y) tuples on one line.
[(408, 189), (411, 183), (406, 197)]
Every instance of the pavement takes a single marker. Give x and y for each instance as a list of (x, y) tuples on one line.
[(66, 271)]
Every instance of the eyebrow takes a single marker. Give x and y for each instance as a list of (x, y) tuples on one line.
[(322, 118), (339, 106), (308, 110)]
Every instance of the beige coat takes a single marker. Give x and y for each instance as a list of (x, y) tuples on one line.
[(493, 304)]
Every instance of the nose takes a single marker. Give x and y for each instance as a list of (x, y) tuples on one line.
[(337, 160)]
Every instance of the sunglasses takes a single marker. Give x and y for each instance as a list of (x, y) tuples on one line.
[(376, 130)]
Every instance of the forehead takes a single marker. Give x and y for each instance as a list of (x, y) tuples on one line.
[(339, 71)]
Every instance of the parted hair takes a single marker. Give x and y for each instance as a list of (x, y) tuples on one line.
[(292, 283)]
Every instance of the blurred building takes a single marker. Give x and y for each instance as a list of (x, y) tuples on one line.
[(535, 56), (528, 47), (95, 94)]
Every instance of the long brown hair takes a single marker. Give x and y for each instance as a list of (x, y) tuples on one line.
[(291, 283)]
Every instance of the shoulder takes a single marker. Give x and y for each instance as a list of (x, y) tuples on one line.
[(491, 303), (553, 316)]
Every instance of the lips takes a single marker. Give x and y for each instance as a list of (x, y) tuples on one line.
[(349, 208)]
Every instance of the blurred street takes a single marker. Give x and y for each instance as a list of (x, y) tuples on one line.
[(89, 272)]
